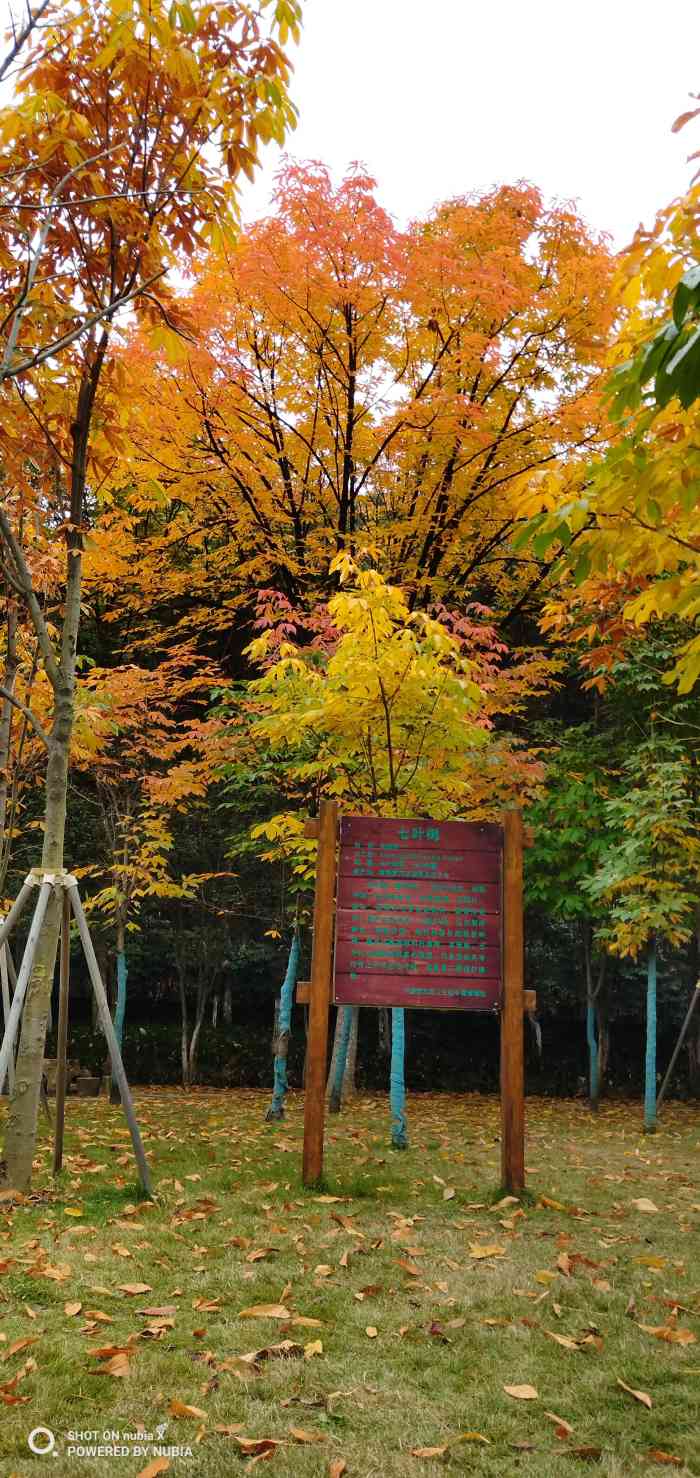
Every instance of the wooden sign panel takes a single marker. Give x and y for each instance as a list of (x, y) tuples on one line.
[(418, 914)]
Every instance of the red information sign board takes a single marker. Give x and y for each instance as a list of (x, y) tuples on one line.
[(418, 914)]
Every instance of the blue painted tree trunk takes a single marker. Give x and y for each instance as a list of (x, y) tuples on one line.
[(122, 975), (650, 1060), (284, 1024), (397, 1082), (593, 1055), (336, 1087)]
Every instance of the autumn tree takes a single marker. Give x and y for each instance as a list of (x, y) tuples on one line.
[(627, 524), (352, 386), (117, 158), (148, 757)]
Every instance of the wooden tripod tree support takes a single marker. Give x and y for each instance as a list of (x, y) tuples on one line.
[(514, 1000), (66, 883)]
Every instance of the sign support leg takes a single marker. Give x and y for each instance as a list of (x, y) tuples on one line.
[(512, 1017), (319, 1005)]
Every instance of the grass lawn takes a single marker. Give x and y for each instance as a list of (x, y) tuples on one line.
[(404, 1299)]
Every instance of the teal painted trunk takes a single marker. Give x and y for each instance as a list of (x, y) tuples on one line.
[(650, 1058), (397, 1080), (120, 1007), (336, 1092), (279, 1091), (593, 1055)]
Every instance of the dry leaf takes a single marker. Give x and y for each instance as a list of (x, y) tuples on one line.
[(641, 1396), (563, 1428), (371, 1332), (667, 1459), (669, 1334), (429, 1451), (159, 1465), (134, 1288), (562, 1339), (522, 1393), (72, 1308), (471, 1437), (255, 1446), (337, 1467), (180, 1408), (479, 1250), (118, 1366), (448, 1193), (643, 1204), (314, 1348), (298, 1434)]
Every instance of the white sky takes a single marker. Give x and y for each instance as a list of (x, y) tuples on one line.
[(438, 97)]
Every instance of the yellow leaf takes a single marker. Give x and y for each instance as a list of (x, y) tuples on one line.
[(522, 1393)]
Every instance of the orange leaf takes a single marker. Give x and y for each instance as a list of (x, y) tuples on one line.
[(522, 1393)]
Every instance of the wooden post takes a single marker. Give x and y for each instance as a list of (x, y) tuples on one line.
[(319, 1008), (62, 1035), (512, 1044)]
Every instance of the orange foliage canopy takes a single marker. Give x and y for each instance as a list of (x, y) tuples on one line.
[(353, 385)]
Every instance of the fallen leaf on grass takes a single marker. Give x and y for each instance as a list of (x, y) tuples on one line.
[(265, 1311), (667, 1459), (471, 1437), (643, 1204), (315, 1347), (72, 1308), (476, 1250), (371, 1332), (337, 1467), (640, 1396), (134, 1288), (409, 1267), (522, 1393), (181, 1408), (118, 1366), (19, 1344), (299, 1434), (585, 1454), (669, 1335), (563, 1428), (563, 1339), (159, 1465), (429, 1451)]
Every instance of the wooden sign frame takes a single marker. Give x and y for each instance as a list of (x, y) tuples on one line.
[(513, 1003)]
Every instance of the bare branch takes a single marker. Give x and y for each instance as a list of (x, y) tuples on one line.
[(38, 728)]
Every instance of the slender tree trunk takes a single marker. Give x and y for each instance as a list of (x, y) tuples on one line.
[(650, 1056), (120, 1003), (184, 1056), (6, 712), (349, 1085), (20, 1136), (215, 1009), (693, 1042), (227, 1005)]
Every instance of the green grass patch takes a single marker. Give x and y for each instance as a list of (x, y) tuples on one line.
[(430, 1296)]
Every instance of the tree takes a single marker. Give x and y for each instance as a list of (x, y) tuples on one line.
[(383, 711), (648, 877), (356, 386), (147, 763), (627, 526), (124, 144), (570, 840)]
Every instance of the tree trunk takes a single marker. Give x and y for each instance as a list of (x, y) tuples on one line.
[(6, 711), (184, 1056), (227, 1006), (650, 1056), (349, 1085), (341, 1075), (20, 1135), (215, 1009), (120, 1004), (595, 1037), (383, 1031)]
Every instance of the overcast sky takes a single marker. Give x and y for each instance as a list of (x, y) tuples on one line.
[(438, 97)]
